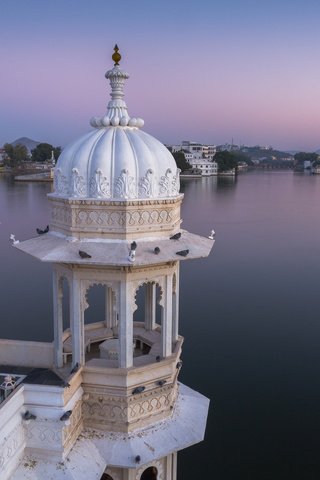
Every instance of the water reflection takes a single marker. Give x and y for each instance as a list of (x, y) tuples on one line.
[(249, 314)]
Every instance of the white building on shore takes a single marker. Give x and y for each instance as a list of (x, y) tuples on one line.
[(103, 400), (199, 156)]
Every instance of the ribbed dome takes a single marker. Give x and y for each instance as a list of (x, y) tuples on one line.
[(116, 163), (117, 160)]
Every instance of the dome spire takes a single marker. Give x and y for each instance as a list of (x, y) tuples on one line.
[(116, 57), (117, 112)]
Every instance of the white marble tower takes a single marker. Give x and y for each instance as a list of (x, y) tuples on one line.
[(115, 222)]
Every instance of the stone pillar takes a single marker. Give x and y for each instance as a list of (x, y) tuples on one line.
[(125, 326), (57, 319), (150, 307), (166, 323), (109, 310), (174, 466), (175, 308), (77, 323)]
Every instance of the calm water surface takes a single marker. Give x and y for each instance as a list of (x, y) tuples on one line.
[(249, 313)]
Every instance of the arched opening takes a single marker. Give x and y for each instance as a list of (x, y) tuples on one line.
[(100, 318), (147, 300), (151, 473), (105, 476), (96, 300), (147, 315)]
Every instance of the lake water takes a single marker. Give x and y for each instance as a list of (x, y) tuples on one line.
[(249, 314)]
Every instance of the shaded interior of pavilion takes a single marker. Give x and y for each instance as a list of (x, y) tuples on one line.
[(154, 333)]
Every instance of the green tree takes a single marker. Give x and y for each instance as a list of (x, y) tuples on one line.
[(226, 161), (301, 157), (16, 154), (42, 152), (180, 160)]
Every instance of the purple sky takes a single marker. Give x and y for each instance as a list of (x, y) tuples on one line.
[(206, 71)]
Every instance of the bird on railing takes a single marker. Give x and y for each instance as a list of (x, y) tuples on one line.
[(84, 254), (41, 232), (212, 234), (156, 250), (13, 239), (176, 236)]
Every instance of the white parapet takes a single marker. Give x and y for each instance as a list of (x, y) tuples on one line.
[(94, 451)]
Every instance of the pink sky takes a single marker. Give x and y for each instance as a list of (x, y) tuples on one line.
[(204, 71)]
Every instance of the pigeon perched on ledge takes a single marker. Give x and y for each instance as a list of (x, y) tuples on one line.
[(41, 232), (183, 253), (84, 254), (176, 236)]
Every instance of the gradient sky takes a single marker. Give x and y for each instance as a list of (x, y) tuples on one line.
[(203, 70)]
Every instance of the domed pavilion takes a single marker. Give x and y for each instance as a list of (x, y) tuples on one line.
[(121, 413)]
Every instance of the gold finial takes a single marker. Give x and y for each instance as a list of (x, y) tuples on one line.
[(116, 57)]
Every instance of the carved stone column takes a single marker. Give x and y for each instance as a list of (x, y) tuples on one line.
[(150, 306), (125, 325), (57, 319), (77, 323), (175, 307), (166, 324), (109, 310)]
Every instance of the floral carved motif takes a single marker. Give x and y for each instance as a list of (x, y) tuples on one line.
[(99, 186), (169, 184), (147, 185), (78, 186), (60, 182), (125, 185)]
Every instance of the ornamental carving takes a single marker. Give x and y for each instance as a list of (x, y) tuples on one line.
[(61, 214), (137, 286), (104, 410), (169, 184), (147, 185), (87, 284), (125, 185), (45, 433), (120, 219), (99, 186), (60, 182), (10, 446), (78, 186)]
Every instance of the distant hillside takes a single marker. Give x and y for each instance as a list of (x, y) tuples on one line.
[(27, 142)]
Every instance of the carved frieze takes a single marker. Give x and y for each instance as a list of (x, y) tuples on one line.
[(104, 411), (125, 186), (88, 217), (44, 434), (10, 446)]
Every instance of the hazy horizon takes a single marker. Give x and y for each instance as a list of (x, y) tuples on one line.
[(210, 71)]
